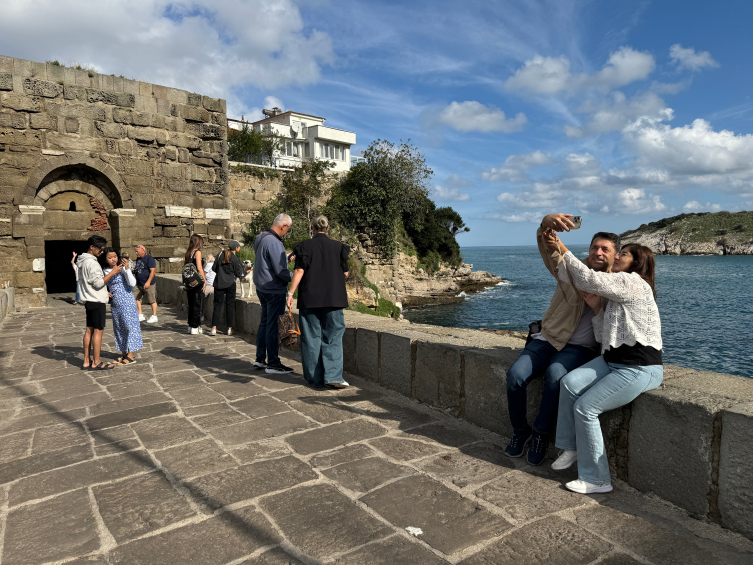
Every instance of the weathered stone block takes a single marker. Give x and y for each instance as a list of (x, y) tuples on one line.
[(367, 354), (29, 280), (437, 376), (21, 138), (396, 362), (187, 141), (20, 103), (36, 87), (194, 99), (213, 104), (14, 120), (74, 142), (206, 131), (190, 113), (123, 99), (6, 81), (85, 111), (141, 134), (349, 351), (670, 447), (74, 92), (486, 389), (735, 471), (71, 125)]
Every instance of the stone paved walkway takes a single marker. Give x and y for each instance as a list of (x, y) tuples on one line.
[(192, 456)]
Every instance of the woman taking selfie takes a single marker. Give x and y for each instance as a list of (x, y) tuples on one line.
[(628, 327), (125, 316), (195, 294)]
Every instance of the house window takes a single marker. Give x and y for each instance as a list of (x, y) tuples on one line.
[(289, 149), (306, 149)]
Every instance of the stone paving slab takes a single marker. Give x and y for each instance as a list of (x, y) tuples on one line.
[(193, 456)]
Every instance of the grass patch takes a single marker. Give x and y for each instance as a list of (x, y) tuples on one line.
[(704, 226)]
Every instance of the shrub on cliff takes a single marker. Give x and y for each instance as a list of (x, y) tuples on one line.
[(390, 183)]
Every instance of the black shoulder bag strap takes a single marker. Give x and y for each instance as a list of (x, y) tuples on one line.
[(265, 234)]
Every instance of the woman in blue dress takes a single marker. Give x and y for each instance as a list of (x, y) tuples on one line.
[(125, 316)]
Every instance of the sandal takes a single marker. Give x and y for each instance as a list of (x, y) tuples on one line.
[(126, 361), (119, 360), (101, 366)]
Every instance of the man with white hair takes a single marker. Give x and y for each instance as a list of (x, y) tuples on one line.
[(271, 277)]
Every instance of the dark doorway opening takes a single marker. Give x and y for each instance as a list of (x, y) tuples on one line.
[(59, 274), (72, 207)]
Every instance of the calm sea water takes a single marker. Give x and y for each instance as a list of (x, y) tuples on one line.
[(705, 303)]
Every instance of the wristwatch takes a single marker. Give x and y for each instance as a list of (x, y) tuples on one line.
[(290, 293)]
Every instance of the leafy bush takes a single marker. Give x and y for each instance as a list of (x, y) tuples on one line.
[(249, 145)]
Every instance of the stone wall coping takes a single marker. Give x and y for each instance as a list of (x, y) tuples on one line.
[(31, 210), (124, 212)]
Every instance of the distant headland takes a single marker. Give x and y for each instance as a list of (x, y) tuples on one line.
[(718, 233)]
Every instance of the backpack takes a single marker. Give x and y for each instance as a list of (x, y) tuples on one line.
[(191, 277), (288, 331)]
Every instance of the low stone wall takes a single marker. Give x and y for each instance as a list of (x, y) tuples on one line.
[(687, 442), (7, 302)]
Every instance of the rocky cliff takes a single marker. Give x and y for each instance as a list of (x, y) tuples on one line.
[(721, 233), (400, 280)]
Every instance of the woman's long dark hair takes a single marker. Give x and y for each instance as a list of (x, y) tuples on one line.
[(195, 244), (103, 257), (643, 263)]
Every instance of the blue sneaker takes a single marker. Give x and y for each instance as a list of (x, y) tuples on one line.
[(537, 448), (517, 444)]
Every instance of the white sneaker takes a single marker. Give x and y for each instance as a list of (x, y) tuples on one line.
[(142, 317), (343, 384), (587, 488), (189, 329), (230, 331), (260, 364), (194, 331), (152, 320), (565, 460), (213, 332)]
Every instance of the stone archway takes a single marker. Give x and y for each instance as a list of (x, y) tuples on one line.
[(111, 185)]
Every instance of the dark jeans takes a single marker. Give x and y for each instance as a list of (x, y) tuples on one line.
[(541, 358), (194, 299), (267, 336), (322, 332), (226, 295)]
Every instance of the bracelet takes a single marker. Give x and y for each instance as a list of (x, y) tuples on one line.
[(290, 293)]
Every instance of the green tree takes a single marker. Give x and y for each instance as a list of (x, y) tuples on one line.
[(434, 235), (249, 145), (300, 198), (390, 184)]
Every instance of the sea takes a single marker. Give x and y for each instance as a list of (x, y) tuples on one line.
[(705, 303)]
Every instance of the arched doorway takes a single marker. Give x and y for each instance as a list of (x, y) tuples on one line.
[(76, 200)]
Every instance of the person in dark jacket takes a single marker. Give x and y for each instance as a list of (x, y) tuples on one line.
[(321, 265), (227, 268)]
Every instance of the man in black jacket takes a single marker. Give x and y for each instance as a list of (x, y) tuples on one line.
[(321, 265)]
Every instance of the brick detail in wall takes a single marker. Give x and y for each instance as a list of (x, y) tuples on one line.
[(100, 222)]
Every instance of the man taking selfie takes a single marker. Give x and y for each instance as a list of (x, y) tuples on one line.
[(564, 342)]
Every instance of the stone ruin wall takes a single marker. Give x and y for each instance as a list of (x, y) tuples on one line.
[(142, 163)]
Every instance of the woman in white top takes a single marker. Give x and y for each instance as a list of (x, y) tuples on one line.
[(628, 327)]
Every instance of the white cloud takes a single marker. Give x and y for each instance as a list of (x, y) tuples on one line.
[(203, 46), (692, 151), (635, 201), (530, 217), (615, 115), (270, 102), (456, 181), (450, 194), (687, 58), (514, 167), (551, 75), (474, 116), (695, 206)]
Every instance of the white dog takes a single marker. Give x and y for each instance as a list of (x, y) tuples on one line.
[(248, 279)]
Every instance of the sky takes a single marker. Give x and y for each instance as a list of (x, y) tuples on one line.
[(621, 112)]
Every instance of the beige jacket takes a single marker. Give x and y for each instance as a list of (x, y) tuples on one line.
[(563, 315)]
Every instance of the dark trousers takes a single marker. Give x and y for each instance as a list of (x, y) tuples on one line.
[(194, 299), (226, 295), (267, 336), (541, 358)]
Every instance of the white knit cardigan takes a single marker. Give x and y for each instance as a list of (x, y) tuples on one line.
[(630, 316)]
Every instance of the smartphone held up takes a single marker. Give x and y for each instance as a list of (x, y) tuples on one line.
[(576, 220)]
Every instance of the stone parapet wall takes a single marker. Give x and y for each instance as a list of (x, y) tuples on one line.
[(127, 145), (249, 194), (687, 442)]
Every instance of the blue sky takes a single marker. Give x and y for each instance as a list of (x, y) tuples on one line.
[(623, 112)]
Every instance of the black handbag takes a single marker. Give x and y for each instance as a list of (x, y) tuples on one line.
[(191, 277)]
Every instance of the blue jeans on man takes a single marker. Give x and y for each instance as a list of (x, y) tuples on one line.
[(541, 358), (322, 332), (267, 336)]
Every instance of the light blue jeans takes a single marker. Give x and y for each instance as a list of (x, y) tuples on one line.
[(585, 393), (322, 332)]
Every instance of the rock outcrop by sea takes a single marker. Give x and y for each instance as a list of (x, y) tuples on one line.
[(664, 242)]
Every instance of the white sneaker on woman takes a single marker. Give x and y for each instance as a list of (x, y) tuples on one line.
[(213, 331), (565, 460), (584, 487), (194, 331)]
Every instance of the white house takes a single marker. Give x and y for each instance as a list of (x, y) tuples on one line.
[(306, 137)]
